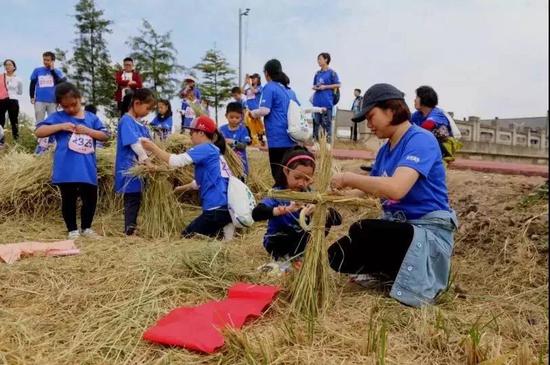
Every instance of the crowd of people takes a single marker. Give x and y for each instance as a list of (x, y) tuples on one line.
[(410, 245)]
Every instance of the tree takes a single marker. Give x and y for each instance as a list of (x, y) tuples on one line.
[(90, 67), (217, 78), (154, 54)]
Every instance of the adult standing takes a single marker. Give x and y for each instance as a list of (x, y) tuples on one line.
[(42, 93), (325, 82), (9, 99), (355, 108), (276, 96), (126, 79), (434, 119), (413, 242)]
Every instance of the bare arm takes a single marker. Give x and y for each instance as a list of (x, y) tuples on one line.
[(393, 187)]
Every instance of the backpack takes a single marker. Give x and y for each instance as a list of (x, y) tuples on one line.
[(336, 92), (299, 129)]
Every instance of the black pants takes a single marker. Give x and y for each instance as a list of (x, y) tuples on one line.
[(132, 202), (210, 223), (293, 243), (276, 155), (373, 246), (12, 107), (69, 194), (354, 132)]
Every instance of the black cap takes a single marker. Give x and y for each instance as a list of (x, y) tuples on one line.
[(375, 94)]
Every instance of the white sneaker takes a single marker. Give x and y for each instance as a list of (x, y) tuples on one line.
[(90, 233), (73, 235)]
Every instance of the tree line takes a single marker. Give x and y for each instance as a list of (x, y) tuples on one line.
[(89, 65)]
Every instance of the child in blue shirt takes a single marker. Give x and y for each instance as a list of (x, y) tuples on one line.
[(285, 239), (129, 152), (235, 133), (74, 164), (205, 155), (162, 124)]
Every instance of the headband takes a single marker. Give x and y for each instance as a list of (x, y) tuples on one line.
[(300, 157)]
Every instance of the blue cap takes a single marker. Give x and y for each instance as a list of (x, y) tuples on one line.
[(375, 94)]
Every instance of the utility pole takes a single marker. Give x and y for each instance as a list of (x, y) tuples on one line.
[(241, 14)]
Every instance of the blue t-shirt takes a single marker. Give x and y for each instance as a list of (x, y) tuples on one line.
[(45, 85), (419, 150), (436, 115), (188, 112), (212, 186), (276, 97), (239, 135), (281, 223), (253, 98), (70, 166), (324, 98), (129, 132), (162, 123)]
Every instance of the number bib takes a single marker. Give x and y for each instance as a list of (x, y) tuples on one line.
[(81, 143), (45, 81)]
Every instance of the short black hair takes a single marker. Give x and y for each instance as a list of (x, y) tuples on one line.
[(130, 59), (90, 108), (143, 95), (65, 89), (401, 112), (12, 61), (234, 107), (326, 56), (236, 90), (168, 106), (49, 54), (428, 96), (358, 90)]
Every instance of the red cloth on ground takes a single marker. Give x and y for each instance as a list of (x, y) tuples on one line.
[(199, 328)]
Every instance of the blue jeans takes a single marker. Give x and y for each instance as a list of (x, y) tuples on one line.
[(323, 120), (210, 223)]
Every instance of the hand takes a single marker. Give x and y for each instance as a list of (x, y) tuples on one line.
[(32, 100), (338, 181), (132, 83), (321, 87), (147, 144), (81, 129), (184, 188), (309, 209), (68, 127)]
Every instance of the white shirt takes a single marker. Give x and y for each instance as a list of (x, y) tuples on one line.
[(14, 85)]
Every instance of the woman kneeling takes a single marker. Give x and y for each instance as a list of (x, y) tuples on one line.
[(413, 242)]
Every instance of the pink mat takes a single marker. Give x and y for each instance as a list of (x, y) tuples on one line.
[(11, 252)]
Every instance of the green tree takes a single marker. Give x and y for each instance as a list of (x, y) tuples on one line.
[(90, 66), (217, 78), (155, 58)]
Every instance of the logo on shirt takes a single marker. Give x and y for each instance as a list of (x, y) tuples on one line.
[(412, 158)]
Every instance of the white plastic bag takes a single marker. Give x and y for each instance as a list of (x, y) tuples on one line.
[(241, 202), (298, 127), (454, 129)]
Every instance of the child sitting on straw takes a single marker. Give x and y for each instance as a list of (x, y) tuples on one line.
[(74, 164), (285, 238), (129, 152), (205, 155), (162, 124), (235, 133)]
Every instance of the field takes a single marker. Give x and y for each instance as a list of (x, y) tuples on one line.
[(93, 308)]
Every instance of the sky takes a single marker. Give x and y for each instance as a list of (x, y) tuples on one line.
[(483, 57)]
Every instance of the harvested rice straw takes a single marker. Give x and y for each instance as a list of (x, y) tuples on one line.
[(312, 287)]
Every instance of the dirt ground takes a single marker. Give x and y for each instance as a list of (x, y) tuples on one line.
[(93, 308)]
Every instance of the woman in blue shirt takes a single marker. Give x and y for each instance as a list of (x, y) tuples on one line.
[(276, 96), (412, 244)]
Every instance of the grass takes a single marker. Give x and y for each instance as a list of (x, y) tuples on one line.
[(93, 308)]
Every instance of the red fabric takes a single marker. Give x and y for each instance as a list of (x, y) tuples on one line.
[(199, 328), (428, 124), (121, 84)]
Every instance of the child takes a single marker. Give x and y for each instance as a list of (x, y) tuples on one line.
[(235, 133), (205, 155), (238, 97), (189, 107), (128, 152), (285, 239), (162, 124), (74, 164)]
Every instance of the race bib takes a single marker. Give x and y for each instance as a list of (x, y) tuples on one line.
[(189, 112), (45, 81), (81, 143)]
